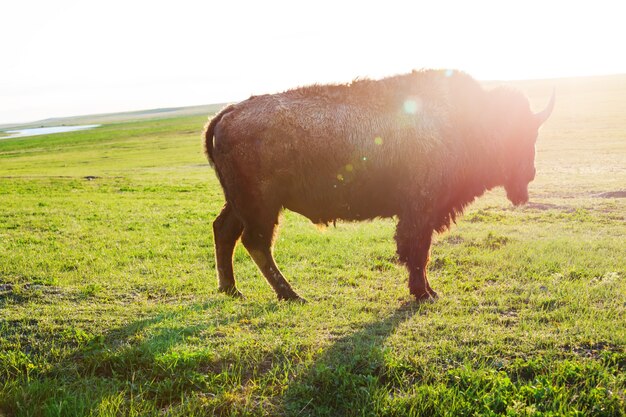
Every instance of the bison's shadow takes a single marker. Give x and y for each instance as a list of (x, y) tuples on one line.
[(343, 378), (339, 382), (129, 357)]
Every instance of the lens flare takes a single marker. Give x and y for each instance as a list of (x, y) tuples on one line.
[(378, 140), (412, 105)]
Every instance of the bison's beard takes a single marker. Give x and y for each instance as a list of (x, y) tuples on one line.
[(517, 194)]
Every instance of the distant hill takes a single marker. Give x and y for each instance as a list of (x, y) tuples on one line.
[(577, 97), (119, 117)]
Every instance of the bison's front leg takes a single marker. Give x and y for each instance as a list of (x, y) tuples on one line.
[(413, 246)]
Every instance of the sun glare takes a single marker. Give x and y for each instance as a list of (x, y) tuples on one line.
[(270, 46)]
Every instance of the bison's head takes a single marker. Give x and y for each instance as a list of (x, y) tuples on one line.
[(517, 127)]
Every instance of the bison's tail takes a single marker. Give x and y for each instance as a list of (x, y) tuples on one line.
[(208, 134)]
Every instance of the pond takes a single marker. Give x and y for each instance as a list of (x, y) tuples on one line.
[(44, 131)]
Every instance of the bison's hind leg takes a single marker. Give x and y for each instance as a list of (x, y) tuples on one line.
[(227, 229), (257, 237)]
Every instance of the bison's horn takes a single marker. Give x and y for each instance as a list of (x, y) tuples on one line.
[(543, 115)]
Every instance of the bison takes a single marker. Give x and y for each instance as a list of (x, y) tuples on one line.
[(419, 146)]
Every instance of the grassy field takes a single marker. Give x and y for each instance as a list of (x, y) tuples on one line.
[(108, 302)]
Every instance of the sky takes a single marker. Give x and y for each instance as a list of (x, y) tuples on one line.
[(74, 57)]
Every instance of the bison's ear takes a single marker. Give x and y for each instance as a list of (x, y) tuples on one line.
[(543, 115)]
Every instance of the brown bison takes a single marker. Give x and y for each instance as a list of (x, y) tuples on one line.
[(419, 146)]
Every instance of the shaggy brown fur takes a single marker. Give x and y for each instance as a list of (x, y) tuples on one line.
[(419, 146)]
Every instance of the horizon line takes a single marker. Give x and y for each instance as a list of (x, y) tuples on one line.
[(7, 125)]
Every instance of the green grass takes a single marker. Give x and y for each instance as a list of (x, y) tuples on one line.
[(108, 302)]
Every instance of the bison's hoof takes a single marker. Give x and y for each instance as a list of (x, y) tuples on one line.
[(293, 297), (426, 297), (232, 291)]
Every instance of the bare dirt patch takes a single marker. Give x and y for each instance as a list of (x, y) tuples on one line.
[(612, 194), (546, 206)]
